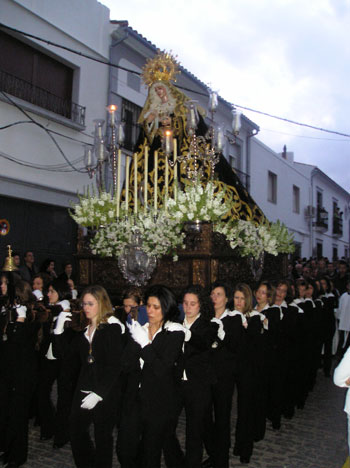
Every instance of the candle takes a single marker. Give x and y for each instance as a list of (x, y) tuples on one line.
[(99, 131), (145, 188), (167, 142), (166, 182), (213, 101), (175, 167), (155, 181), (135, 183), (121, 134), (127, 183), (112, 108), (193, 117), (118, 181), (220, 140), (101, 155)]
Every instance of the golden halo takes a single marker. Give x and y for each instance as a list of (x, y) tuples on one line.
[(162, 67)]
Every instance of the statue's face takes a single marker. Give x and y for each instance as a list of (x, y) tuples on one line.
[(160, 90)]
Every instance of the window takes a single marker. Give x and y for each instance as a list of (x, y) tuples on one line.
[(134, 81), (335, 253), (319, 249), (35, 77), (319, 198), (130, 115), (296, 199), (272, 187)]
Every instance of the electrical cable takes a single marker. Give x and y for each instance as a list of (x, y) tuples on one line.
[(45, 129), (104, 62)]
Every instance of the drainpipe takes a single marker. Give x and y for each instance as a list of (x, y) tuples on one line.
[(311, 198), (248, 144)]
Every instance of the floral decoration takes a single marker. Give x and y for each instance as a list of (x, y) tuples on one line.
[(162, 231), (200, 203)]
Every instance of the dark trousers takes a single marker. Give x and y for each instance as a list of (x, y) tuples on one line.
[(48, 374), (14, 415), (217, 438), (195, 398), (143, 430), (87, 454)]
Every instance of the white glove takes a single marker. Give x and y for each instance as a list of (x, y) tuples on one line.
[(90, 401), (38, 294), (139, 334), (113, 319), (21, 311), (62, 318), (173, 326), (221, 331)]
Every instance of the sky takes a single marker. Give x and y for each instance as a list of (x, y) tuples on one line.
[(289, 58)]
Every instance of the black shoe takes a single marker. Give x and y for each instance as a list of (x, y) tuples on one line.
[(236, 451), (244, 459), (207, 463), (43, 438), (11, 465)]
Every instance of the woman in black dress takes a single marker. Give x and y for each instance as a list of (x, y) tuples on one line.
[(149, 406), (97, 351)]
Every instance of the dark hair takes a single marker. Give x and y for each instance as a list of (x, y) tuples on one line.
[(46, 264), (167, 301), (224, 286), (24, 294), (328, 282), (248, 296), (316, 289), (133, 293), (289, 296), (206, 307), (62, 288)]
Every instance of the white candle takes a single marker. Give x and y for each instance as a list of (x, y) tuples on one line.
[(127, 183), (155, 181), (175, 167), (220, 142), (135, 183), (167, 142), (145, 188), (118, 181), (101, 151), (193, 117), (166, 182), (213, 101)]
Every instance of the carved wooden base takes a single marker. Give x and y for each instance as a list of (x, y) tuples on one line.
[(207, 257)]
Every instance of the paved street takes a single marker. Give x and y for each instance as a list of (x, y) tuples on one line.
[(314, 438)]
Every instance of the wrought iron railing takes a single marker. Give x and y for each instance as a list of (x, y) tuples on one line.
[(338, 225), (40, 97), (322, 219), (244, 178)]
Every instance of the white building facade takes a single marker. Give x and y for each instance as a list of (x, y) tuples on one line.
[(49, 96), (313, 207)]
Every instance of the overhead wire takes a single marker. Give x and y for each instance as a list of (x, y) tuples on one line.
[(108, 63)]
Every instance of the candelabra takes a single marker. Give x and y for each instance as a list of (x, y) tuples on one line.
[(103, 151)]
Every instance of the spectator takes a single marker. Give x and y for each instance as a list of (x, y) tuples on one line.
[(342, 277), (29, 269), (67, 272)]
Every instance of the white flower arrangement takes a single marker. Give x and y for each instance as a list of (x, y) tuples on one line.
[(94, 210), (198, 203), (160, 234), (253, 241)]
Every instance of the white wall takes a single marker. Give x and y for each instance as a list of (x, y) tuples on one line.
[(81, 25)]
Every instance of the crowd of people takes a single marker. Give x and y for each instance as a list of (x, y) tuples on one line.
[(129, 370)]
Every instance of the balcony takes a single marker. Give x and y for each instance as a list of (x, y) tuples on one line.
[(338, 224), (321, 223), (40, 97)]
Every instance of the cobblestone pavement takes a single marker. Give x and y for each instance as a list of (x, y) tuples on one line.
[(314, 438)]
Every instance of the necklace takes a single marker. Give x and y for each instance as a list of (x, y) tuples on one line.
[(90, 358)]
